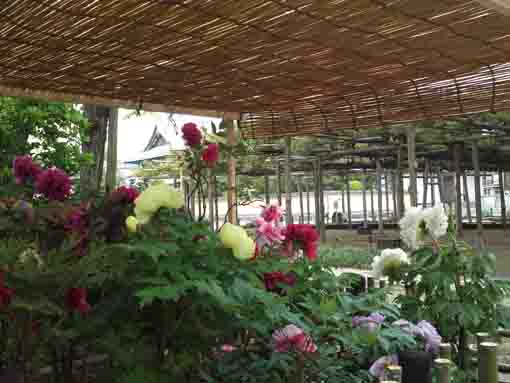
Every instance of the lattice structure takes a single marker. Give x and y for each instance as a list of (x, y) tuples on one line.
[(290, 67)]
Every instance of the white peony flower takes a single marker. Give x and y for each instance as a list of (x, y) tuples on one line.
[(410, 227), (389, 262), (436, 221)]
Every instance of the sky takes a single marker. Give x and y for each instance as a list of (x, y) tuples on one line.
[(135, 131)]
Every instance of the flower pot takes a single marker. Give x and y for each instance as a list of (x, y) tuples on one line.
[(416, 366)]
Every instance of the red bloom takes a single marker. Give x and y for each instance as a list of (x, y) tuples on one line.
[(272, 213), (54, 184), (211, 154), (275, 279), (24, 169), (125, 194), (77, 300), (305, 235), (191, 134), (77, 220), (5, 293)]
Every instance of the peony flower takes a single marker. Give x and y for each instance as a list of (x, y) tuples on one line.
[(418, 224), (125, 194), (305, 236), (132, 224), (54, 184), (389, 262), (410, 228), (228, 348), (232, 235), (272, 213), (77, 300), (431, 336), (245, 250), (211, 155), (155, 197), (6, 293), (275, 279), (378, 367), (25, 169), (436, 221), (268, 233), (292, 337), (77, 220), (371, 322), (191, 134)]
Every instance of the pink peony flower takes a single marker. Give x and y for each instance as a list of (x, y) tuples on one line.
[(272, 213), (125, 194), (24, 169), (268, 233), (211, 155), (292, 337), (54, 184), (191, 134), (275, 279), (77, 300)]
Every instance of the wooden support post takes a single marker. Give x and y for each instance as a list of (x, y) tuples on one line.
[(210, 197), (458, 150), (322, 211), (502, 197), (387, 184), (279, 183), (426, 183), (433, 182), (301, 205), (288, 182), (443, 370), (379, 196), (400, 185), (372, 204), (216, 205), (316, 193), (488, 363), (394, 192), (466, 197), (348, 195), (441, 186), (111, 159), (445, 351), (267, 191), (411, 160), (478, 192), (308, 217), (231, 174), (364, 194), (342, 192)]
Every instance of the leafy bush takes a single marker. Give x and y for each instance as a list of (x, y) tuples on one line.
[(349, 257)]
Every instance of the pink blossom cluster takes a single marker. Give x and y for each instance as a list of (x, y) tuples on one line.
[(293, 338)]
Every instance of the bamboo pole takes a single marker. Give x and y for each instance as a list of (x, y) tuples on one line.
[(210, 196), (443, 370), (364, 193), (426, 182), (322, 228), (379, 197), (411, 160), (301, 205), (466, 197), (433, 181), (441, 186), (111, 159), (394, 190), (457, 158), (387, 192), (316, 193), (478, 192), (308, 217), (231, 174), (487, 363), (372, 204), (502, 197), (279, 184), (348, 195), (267, 191), (288, 181), (216, 204), (342, 192)]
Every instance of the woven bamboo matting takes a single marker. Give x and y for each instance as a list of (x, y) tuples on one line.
[(290, 66)]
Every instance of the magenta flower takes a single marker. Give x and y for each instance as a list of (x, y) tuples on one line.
[(191, 134), (272, 213), (125, 194), (291, 338), (77, 220), (54, 184), (268, 233), (25, 169), (378, 367), (76, 300), (274, 280)]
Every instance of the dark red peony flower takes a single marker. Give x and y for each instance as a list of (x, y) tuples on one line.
[(25, 169), (211, 154), (77, 220), (191, 134), (274, 280), (306, 236), (54, 184), (6, 293), (125, 194), (77, 300)]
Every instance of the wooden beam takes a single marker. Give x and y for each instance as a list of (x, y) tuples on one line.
[(114, 102), (411, 162), (379, 197), (231, 173), (502, 198), (322, 227), (288, 181), (501, 6), (111, 158), (348, 195)]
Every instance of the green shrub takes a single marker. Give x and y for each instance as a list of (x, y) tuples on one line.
[(351, 257)]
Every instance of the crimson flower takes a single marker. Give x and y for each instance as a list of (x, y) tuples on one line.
[(54, 184), (275, 279), (211, 154), (77, 220), (292, 337), (6, 293), (25, 169), (272, 213), (191, 134), (77, 300), (305, 235), (125, 194)]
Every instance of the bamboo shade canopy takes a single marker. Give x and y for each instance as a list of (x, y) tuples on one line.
[(285, 66)]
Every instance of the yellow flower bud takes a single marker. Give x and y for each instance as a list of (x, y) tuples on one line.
[(232, 235), (156, 197), (131, 224), (245, 250)]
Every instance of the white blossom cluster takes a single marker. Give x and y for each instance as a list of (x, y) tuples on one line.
[(419, 224)]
